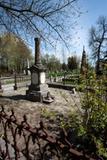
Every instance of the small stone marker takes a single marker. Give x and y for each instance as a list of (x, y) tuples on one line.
[(49, 98), (73, 91)]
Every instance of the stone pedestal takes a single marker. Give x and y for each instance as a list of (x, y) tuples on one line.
[(38, 90)]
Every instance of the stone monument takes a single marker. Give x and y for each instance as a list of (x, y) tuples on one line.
[(38, 89)]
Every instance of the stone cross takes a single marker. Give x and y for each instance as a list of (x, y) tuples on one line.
[(37, 51)]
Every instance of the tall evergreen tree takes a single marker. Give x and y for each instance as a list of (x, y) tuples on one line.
[(83, 69), (73, 62)]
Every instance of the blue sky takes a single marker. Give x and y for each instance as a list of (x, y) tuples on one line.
[(91, 10)]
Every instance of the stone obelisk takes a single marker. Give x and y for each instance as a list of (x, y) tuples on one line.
[(37, 52), (38, 88)]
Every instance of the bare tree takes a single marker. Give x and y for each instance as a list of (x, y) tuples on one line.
[(98, 41), (37, 17)]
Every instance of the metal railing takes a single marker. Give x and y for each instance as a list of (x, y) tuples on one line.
[(19, 140), (17, 81)]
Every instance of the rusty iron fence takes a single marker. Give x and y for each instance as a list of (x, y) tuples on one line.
[(20, 141)]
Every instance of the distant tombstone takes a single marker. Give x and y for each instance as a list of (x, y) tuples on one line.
[(28, 66), (51, 79), (55, 79), (73, 91)]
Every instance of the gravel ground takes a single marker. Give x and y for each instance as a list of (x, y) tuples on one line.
[(64, 103)]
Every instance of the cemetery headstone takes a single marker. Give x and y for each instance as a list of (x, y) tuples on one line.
[(38, 89)]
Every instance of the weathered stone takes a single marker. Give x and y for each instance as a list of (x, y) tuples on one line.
[(38, 88), (73, 91), (37, 51), (49, 98), (1, 92)]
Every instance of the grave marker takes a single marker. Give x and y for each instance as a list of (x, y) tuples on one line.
[(38, 89)]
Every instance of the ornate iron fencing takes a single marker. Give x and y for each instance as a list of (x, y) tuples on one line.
[(20, 141)]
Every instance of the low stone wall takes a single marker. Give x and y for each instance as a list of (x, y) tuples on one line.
[(61, 86)]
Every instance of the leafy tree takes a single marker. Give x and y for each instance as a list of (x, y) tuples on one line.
[(51, 63), (98, 41), (22, 55), (15, 52), (91, 123), (64, 66), (95, 114), (73, 63), (84, 64), (45, 60)]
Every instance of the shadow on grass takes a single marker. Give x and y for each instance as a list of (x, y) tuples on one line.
[(14, 97)]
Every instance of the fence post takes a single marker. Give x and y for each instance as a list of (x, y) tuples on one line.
[(1, 90), (15, 81), (0, 83), (64, 78)]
